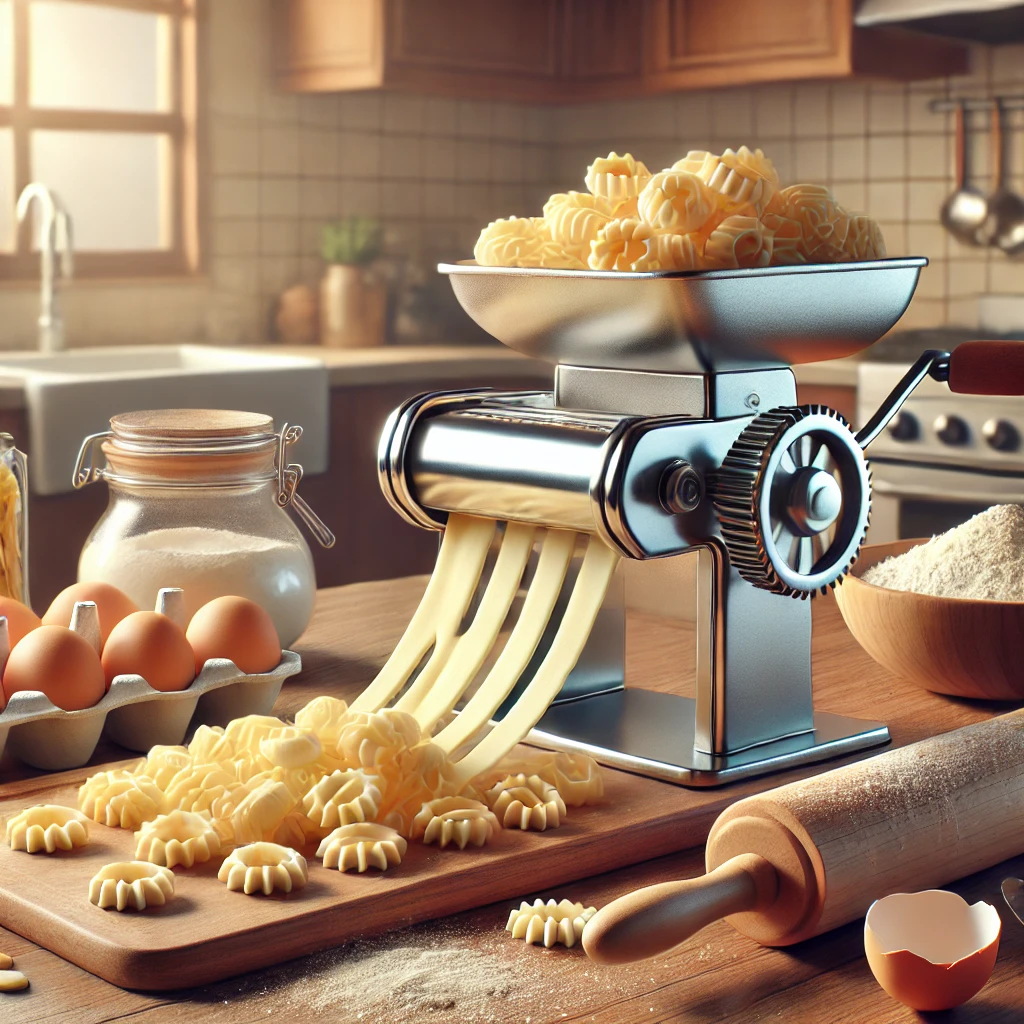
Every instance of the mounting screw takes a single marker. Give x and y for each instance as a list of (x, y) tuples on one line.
[(682, 488)]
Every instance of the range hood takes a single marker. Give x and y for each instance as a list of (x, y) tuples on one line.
[(984, 21)]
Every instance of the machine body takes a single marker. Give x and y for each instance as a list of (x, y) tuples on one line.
[(672, 431)]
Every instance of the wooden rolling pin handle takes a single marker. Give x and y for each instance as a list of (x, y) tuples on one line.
[(987, 368), (654, 919)]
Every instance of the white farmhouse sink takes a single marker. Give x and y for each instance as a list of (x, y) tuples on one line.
[(70, 395)]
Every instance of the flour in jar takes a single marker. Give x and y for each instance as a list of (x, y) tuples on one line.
[(982, 559), (208, 563)]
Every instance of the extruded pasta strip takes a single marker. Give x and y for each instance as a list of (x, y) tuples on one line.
[(456, 575), (429, 703), (555, 555), (580, 614)]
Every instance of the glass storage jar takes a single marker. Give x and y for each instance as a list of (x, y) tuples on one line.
[(197, 501)]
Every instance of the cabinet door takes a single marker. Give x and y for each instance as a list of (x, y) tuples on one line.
[(481, 38), (602, 40), (716, 43), (326, 44)]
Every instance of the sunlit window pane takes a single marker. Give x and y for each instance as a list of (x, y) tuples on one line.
[(113, 185), (87, 57), (6, 190), (6, 52)]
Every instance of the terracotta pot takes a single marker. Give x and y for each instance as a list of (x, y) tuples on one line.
[(352, 308)]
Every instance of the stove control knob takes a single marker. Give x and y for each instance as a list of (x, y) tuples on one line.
[(1001, 435), (951, 429), (903, 427)]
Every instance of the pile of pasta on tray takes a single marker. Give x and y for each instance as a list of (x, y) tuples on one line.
[(705, 212)]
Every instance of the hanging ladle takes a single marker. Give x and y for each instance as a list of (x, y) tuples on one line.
[(964, 213), (1004, 224)]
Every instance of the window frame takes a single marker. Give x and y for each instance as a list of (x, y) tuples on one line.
[(181, 123)]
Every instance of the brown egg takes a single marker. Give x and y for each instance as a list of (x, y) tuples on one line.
[(150, 645), (931, 950), (20, 618), (113, 605), (58, 662), (237, 629)]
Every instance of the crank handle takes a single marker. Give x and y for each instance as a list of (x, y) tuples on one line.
[(932, 363), (972, 368)]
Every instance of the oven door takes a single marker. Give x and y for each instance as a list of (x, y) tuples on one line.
[(911, 500)]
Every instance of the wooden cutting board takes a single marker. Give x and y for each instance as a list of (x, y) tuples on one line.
[(207, 933)]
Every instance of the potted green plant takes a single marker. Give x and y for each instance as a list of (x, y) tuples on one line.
[(352, 299)]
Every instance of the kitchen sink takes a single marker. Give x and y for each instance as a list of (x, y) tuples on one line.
[(70, 395)]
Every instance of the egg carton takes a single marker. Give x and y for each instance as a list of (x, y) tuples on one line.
[(136, 716)]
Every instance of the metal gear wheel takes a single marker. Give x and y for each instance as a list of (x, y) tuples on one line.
[(793, 497)]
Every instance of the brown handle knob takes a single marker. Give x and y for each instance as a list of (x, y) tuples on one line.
[(654, 919), (987, 368)]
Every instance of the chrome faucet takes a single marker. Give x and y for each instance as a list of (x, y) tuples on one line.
[(56, 239)]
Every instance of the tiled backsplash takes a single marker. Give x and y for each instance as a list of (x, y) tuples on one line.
[(436, 170)]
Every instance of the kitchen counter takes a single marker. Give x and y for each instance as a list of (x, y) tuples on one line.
[(716, 976)]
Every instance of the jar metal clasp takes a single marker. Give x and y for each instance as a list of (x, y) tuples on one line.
[(289, 474), (87, 466)]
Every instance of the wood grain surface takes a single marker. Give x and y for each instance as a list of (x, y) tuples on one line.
[(716, 976)]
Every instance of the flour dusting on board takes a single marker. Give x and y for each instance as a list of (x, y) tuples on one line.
[(983, 559)]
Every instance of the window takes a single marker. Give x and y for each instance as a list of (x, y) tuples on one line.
[(98, 101)]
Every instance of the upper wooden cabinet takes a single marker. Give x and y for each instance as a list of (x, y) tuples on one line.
[(566, 50)]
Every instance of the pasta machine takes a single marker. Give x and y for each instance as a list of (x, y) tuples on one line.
[(673, 428)]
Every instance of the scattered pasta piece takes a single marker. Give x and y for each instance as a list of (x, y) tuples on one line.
[(209, 746), (455, 819), (202, 787), (342, 798), (526, 802), (119, 799), (619, 244), (671, 252), (324, 716), (577, 777), (550, 922), (290, 747), (617, 178), (739, 242), (12, 981), (163, 763), (244, 734), (372, 739), (47, 828), (362, 845), (261, 812), (264, 867), (676, 201), (131, 885), (412, 779), (6, 962), (179, 838)]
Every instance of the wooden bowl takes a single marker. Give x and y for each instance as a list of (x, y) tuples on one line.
[(948, 645)]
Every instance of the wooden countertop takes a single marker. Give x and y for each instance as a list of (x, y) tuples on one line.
[(717, 976)]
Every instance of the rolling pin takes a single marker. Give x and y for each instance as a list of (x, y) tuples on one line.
[(796, 861)]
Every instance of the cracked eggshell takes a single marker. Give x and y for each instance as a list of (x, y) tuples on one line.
[(931, 950)]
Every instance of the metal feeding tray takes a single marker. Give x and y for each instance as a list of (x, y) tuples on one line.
[(695, 322)]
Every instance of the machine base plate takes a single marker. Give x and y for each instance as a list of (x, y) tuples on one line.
[(651, 734)]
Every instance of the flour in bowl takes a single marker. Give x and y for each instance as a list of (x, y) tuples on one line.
[(983, 559)]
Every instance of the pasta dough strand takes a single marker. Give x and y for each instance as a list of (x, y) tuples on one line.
[(555, 555), (431, 703), (456, 575), (573, 632)]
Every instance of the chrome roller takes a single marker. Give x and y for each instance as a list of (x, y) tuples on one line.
[(793, 497)]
